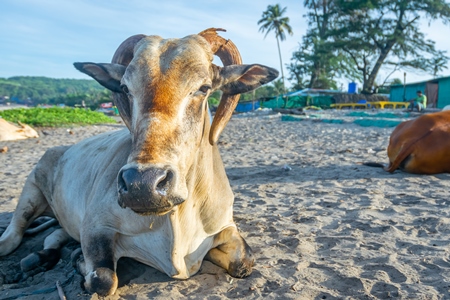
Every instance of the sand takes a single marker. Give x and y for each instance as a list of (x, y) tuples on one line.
[(321, 225)]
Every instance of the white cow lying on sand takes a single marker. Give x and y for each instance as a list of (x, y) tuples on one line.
[(10, 132), (157, 191)]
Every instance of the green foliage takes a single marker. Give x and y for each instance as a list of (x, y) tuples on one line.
[(356, 39), (396, 81), (377, 33), (314, 59), (318, 62), (266, 91), (214, 98), (55, 116), (43, 90), (277, 87)]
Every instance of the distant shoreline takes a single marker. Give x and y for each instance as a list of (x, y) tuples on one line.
[(5, 107)]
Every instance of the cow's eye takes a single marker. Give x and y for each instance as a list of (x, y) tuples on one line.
[(124, 88), (205, 88)]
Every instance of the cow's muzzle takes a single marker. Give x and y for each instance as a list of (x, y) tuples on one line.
[(147, 191)]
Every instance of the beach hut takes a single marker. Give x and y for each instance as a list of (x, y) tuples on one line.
[(437, 91)]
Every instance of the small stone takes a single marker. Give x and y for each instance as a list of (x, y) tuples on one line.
[(287, 168)]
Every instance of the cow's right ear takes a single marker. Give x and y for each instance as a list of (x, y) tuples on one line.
[(108, 75), (237, 79)]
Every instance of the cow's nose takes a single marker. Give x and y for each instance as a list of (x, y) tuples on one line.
[(145, 189), (154, 180)]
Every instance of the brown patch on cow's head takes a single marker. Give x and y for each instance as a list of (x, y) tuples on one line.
[(165, 85)]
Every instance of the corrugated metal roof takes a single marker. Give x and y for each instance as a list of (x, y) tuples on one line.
[(425, 81)]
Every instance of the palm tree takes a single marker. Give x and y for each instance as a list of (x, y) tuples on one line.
[(273, 20)]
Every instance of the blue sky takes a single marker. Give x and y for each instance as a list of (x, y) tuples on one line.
[(44, 37)]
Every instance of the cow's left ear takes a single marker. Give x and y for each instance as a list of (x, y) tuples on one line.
[(108, 75), (237, 79)]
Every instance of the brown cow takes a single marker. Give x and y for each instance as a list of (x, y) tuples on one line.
[(420, 146)]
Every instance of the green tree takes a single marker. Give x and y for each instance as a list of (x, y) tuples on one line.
[(273, 20), (318, 51), (266, 91), (298, 72), (377, 33), (318, 62), (43, 90), (438, 64), (278, 86)]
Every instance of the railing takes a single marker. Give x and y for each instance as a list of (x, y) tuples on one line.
[(378, 104)]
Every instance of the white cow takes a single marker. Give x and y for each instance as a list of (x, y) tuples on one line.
[(157, 191), (10, 132)]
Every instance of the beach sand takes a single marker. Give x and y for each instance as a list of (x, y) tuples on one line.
[(321, 225)]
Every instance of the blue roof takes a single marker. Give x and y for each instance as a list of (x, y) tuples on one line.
[(420, 82)]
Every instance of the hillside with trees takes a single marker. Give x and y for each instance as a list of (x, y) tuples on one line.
[(42, 90), (35, 91)]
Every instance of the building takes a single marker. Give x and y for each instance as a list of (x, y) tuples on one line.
[(437, 91)]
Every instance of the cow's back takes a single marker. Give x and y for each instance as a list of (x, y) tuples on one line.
[(421, 145)]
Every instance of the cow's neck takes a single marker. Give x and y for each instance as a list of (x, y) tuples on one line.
[(207, 211), (209, 188)]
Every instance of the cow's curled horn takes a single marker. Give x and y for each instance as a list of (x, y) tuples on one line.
[(228, 53)]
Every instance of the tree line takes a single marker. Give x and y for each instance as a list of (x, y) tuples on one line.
[(357, 39), (35, 91), (43, 90)]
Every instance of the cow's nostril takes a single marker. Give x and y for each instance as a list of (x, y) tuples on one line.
[(164, 182), (121, 184)]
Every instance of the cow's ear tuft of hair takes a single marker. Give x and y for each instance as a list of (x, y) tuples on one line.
[(108, 75)]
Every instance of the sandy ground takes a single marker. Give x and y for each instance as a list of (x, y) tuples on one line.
[(321, 225)]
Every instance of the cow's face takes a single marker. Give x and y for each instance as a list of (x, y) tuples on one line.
[(27, 131), (165, 87)]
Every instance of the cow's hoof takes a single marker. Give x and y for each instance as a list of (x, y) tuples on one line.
[(46, 259), (102, 281)]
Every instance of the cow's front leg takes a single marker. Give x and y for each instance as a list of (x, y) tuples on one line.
[(232, 253), (98, 265)]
